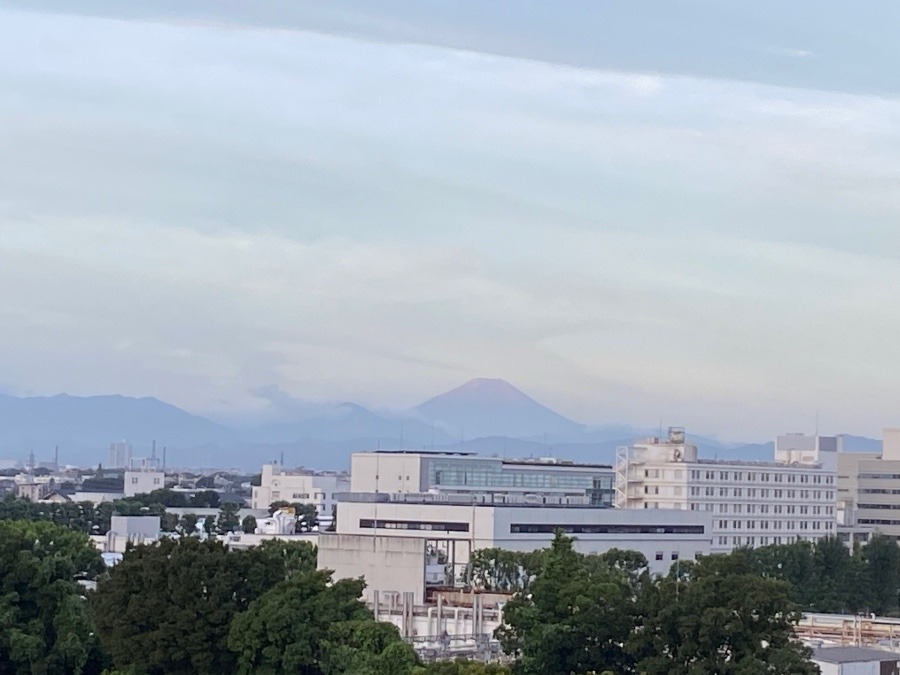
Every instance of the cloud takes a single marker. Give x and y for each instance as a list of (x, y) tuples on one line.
[(217, 215)]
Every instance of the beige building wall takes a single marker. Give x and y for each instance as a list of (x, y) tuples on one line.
[(388, 564), (387, 472)]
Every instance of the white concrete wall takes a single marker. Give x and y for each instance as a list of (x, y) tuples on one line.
[(489, 527), (97, 497), (143, 482), (386, 472), (395, 564)]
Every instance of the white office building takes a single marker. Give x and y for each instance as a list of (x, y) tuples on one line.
[(869, 489), (465, 473), (751, 503), (300, 486), (408, 542)]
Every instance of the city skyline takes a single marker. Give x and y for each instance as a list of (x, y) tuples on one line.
[(298, 202)]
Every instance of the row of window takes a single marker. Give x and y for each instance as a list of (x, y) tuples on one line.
[(753, 493), (877, 521), (568, 528), (880, 476), (762, 477), (877, 491), (434, 526), (753, 541), (889, 507), (774, 525)]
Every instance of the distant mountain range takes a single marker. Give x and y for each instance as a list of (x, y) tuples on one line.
[(487, 416)]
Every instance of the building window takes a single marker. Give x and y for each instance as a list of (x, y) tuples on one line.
[(674, 555), (569, 528), (371, 524), (659, 555)]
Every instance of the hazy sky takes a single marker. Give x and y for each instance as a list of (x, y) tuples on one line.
[(631, 210)]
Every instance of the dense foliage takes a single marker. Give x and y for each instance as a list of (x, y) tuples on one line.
[(597, 614), (45, 626), (191, 606)]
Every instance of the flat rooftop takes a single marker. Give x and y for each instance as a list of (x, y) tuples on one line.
[(853, 655)]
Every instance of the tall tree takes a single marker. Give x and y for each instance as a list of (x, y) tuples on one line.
[(718, 616), (296, 628), (228, 518), (44, 624), (574, 618), (166, 607), (882, 557)]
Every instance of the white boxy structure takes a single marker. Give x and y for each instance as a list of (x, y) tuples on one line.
[(404, 543), (300, 486)]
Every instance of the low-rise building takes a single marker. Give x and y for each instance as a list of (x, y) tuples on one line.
[(300, 486), (405, 542), (751, 503), (856, 661), (138, 482)]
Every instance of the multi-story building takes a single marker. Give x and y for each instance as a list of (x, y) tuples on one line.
[(465, 473), (300, 486), (120, 455), (407, 542), (869, 487), (751, 503)]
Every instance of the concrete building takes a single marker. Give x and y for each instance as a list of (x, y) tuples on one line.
[(300, 486), (401, 471), (856, 661), (96, 497), (120, 455), (124, 530), (142, 482), (869, 487), (407, 542), (751, 503)]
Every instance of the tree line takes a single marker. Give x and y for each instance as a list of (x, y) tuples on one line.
[(187, 606), (93, 518), (824, 576)]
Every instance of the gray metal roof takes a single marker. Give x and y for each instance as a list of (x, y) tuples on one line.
[(853, 655)]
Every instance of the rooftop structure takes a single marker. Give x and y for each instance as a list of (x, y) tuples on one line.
[(400, 471), (856, 661)]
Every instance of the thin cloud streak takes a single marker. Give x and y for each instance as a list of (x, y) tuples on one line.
[(197, 213)]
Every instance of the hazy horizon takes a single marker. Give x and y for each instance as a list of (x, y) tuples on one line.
[(676, 211)]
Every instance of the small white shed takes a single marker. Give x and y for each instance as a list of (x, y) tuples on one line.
[(856, 661)]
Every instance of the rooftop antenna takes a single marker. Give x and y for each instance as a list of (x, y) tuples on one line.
[(31, 460), (817, 421), (56, 456)]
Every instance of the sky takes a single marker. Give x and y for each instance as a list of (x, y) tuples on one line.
[(636, 212)]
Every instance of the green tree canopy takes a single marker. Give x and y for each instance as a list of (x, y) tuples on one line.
[(574, 617), (718, 616), (45, 626), (300, 626)]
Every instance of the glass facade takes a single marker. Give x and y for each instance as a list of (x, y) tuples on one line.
[(497, 476)]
